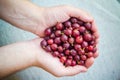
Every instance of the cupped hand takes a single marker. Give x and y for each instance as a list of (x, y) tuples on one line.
[(52, 64)]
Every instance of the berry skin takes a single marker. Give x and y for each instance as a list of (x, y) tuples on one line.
[(88, 26), (81, 62), (59, 26), (48, 48), (74, 20), (77, 47), (67, 24), (77, 57), (60, 49), (50, 41), (47, 31), (90, 54), (90, 48), (64, 38), (55, 54), (73, 63), (67, 52), (54, 47), (58, 33), (83, 57), (63, 59), (68, 62), (75, 25), (82, 29), (87, 37), (75, 33), (73, 52), (57, 40), (43, 43), (79, 39), (84, 44), (52, 36), (68, 32), (66, 45), (71, 40)]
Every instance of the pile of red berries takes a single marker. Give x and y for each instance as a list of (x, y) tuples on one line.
[(72, 41)]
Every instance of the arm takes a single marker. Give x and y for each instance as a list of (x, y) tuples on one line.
[(15, 57)]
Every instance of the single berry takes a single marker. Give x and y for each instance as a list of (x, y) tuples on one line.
[(73, 63), (84, 44), (63, 59), (60, 49), (71, 40), (48, 31), (43, 43), (87, 37), (75, 25), (55, 54), (68, 32), (88, 26), (54, 47), (48, 48), (57, 40), (50, 41), (82, 29), (79, 39), (73, 52), (90, 54), (67, 24), (77, 47), (75, 33), (73, 20), (59, 26), (58, 33), (83, 57), (66, 45), (64, 38), (77, 57)]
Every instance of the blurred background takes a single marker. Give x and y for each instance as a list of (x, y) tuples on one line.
[(107, 17)]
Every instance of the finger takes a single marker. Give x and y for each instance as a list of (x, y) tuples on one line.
[(96, 54), (75, 12), (70, 71), (89, 62)]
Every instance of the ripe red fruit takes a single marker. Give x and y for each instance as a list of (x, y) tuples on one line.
[(43, 43), (80, 22), (82, 29), (66, 45), (87, 37), (75, 25), (68, 62), (73, 63), (77, 47), (67, 52), (63, 59), (84, 44), (75, 33), (81, 62), (77, 57), (50, 41), (67, 24), (48, 48), (71, 40), (59, 26), (57, 40), (90, 54), (52, 36), (68, 32), (79, 39), (83, 57), (58, 33), (47, 31), (81, 52), (54, 47), (73, 52), (64, 38), (70, 57), (90, 48), (88, 25), (55, 54), (60, 49), (73, 20)]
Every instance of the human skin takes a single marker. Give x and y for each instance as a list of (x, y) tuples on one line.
[(30, 17)]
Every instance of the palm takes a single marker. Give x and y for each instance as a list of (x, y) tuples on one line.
[(53, 65)]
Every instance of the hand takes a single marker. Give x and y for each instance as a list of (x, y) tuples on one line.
[(52, 64)]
